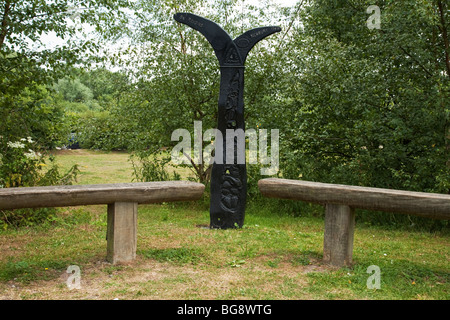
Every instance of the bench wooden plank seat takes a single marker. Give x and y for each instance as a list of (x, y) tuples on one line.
[(340, 202), (122, 200), (76, 195)]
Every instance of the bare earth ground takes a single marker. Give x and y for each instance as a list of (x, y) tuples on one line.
[(144, 279)]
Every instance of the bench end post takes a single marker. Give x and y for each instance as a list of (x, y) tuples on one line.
[(121, 232), (338, 235)]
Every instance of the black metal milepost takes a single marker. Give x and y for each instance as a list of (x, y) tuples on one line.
[(228, 180)]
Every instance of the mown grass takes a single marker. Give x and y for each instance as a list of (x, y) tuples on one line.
[(97, 166), (276, 255)]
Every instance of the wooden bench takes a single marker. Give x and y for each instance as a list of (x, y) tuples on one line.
[(122, 200), (340, 202)]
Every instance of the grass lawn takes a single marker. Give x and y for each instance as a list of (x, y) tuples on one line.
[(274, 256)]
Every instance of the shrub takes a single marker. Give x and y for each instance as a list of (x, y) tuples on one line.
[(151, 168), (22, 166)]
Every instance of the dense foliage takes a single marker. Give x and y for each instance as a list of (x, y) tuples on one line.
[(28, 66), (372, 105), (33, 118)]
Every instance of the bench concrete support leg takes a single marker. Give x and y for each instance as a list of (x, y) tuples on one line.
[(122, 232), (338, 237)]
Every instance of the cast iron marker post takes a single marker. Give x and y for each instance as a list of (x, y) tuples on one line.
[(229, 178)]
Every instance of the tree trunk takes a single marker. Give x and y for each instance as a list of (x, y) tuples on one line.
[(4, 30)]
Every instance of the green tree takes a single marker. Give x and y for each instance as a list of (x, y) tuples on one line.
[(177, 73), (108, 87), (28, 67), (371, 105), (74, 90), (26, 63), (33, 112), (104, 125)]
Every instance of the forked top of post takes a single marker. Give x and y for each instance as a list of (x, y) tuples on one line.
[(229, 52)]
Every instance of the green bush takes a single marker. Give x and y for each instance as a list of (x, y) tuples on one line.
[(33, 111), (152, 168), (99, 130), (22, 166)]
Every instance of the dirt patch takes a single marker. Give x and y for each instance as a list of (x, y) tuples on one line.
[(8, 250), (143, 279), (150, 279)]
